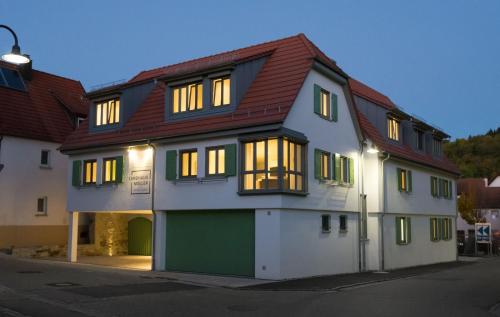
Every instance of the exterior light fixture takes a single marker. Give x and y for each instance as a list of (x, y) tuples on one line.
[(372, 149), (15, 56)]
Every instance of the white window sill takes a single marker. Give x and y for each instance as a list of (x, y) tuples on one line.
[(41, 214), (45, 167)]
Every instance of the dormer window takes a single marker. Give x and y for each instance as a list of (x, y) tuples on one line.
[(419, 139), (221, 91), (436, 146), (187, 98), (107, 112), (393, 129)]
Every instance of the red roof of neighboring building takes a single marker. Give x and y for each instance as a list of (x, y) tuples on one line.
[(486, 197), (41, 112), (401, 151), (267, 100)]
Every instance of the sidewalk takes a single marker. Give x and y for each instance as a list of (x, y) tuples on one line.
[(343, 281)]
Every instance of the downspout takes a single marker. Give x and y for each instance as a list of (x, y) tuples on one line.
[(153, 172), (384, 206), (1, 165), (362, 198)]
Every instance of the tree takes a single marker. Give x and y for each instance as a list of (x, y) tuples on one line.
[(466, 207)]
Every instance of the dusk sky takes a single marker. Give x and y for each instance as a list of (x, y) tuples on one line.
[(439, 60)]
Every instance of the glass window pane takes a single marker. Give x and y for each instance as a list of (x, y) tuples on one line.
[(107, 171), (176, 100), (249, 156), (299, 182), (292, 156), (285, 155), (185, 164), (217, 93), (248, 181), (260, 181), (292, 182), (222, 161), (227, 91), (192, 97), (272, 181), (88, 172), (299, 157), (183, 98), (105, 113), (272, 156), (98, 114), (113, 170), (286, 181), (199, 102), (94, 172), (324, 166), (261, 155), (117, 111), (111, 112), (211, 162), (194, 164)]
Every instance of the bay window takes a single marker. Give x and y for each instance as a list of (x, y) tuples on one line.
[(273, 164)]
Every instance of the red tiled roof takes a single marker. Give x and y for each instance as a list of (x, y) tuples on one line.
[(401, 151), (370, 94), (267, 100), (485, 197), (40, 112)]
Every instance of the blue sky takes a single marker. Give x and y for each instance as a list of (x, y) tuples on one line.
[(439, 60)]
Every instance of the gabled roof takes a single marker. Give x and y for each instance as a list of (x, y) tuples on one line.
[(403, 151), (267, 100), (485, 197), (42, 111)]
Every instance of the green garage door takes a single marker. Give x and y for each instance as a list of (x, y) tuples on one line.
[(215, 242), (139, 236)]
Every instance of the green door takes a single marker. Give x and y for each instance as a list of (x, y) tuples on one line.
[(139, 236), (215, 242)]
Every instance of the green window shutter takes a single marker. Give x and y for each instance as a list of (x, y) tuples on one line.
[(433, 194), (408, 229), (450, 232), (450, 190), (334, 106), (171, 165), (398, 230), (408, 181), (119, 169), (337, 167), (431, 221), (77, 173), (230, 157), (317, 164), (317, 101), (400, 180), (351, 171)]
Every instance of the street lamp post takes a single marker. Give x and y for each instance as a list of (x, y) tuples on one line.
[(15, 56)]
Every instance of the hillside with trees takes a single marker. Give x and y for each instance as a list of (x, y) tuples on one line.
[(476, 156)]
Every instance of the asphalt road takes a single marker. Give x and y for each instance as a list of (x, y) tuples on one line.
[(29, 288)]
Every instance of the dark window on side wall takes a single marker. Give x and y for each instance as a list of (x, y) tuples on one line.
[(326, 223), (419, 139), (45, 158), (343, 223)]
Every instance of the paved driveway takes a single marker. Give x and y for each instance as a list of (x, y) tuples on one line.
[(40, 288)]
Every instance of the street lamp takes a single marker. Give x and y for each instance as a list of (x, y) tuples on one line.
[(15, 56)]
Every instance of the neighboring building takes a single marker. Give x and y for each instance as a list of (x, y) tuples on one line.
[(243, 163), (411, 204), (486, 199), (38, 111)]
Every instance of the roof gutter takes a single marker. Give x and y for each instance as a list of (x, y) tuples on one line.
[(1, 165)]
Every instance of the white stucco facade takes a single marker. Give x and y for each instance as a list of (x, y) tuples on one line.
[(23, 180)]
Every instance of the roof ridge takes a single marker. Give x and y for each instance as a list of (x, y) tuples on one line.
[(212, 55)]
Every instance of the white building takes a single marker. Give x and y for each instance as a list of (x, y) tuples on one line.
[(243, 163), (38, 111)]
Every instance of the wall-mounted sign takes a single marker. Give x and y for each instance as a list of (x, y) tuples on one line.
[(140, 182)]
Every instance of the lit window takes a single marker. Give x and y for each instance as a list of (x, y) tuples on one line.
[(90, 172), (404, 180), (108, 112), (326, 223), (393, 129), (325, 103), (45, 158), (189, 163), (187, 98), (436, 146), (41, 208), (216, 161), (221, 92), (109, 165), (403, 230), (263, 169)]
